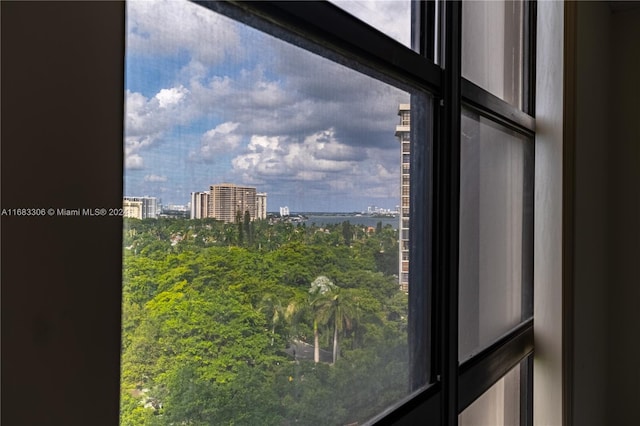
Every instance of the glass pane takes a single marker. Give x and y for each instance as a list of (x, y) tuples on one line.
[(392, 17), (269, 284), (492, 40), (498, 406), (491, 231)]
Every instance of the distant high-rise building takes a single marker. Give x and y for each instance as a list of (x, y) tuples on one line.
[(131, 208), (227, 199), (199, 205), (261, 205), (284, 211), (147, 208), (150, 207), (403, 134)]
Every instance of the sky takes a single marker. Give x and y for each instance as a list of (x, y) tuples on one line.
[(210, 100)]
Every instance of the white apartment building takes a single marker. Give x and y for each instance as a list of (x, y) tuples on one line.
[(199, 205), (261, 205), (403, 135), (140, 207)]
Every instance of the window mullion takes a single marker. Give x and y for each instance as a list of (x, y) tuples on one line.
[(497, 109), (326, 25), (423, 31), (526, 392), (447, 206), (529, 57), (479, 373)]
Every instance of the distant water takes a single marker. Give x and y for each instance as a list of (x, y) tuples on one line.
[(354, 220)]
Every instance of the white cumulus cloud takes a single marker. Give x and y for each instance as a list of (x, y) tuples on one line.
[(147, 120), (294, 122), (155, 178), (311, 159), (133, 162), (169, 27), (172, 96), (219, 140)]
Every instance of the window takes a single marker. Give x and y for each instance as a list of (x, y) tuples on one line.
[(460, 252), (61, 324), (499, 405), (492, 47), (229, 317), (495, 177)]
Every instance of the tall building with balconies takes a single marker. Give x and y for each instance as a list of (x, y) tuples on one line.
[(199, 205), (261, 205), (132, 208), (227, 199), (141, 207), (403, 133)]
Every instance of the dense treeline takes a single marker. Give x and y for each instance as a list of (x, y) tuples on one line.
[(221, 323)]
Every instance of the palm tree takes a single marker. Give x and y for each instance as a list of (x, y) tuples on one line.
[(318, 291), (334, 306), (272, 305), (279, 313)]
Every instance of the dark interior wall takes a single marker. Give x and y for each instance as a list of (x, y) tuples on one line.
[(591, 168), (62, 105), (623, 281), (606, 287)]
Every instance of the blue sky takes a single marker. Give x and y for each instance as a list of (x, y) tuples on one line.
[(209, 100)]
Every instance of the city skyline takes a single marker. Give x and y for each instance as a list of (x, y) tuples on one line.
[(254, 110), (272, 209)]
